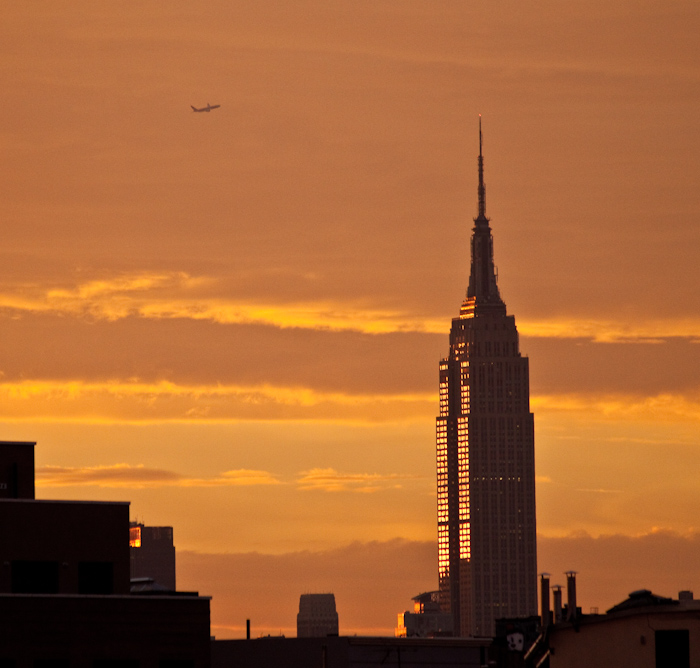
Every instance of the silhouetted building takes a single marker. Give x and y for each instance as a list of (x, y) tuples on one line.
[(351, 652), (485, 456), (514, 636), (152, 554), (644, 631), (17, 469), (64, 588), (427, 619), (317, 616)]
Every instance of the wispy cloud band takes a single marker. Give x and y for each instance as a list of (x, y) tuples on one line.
[(165, 401), (127, 401), (179, 295), (638, 408), (330, 480), (139, 476)]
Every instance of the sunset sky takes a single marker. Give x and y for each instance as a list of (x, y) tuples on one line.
[(234, 319)]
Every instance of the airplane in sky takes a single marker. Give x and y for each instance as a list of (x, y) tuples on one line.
[(209, 107)]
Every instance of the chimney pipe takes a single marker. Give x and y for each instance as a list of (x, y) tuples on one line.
[(544, 600), (571, 595), (247, 629), (557, 603)]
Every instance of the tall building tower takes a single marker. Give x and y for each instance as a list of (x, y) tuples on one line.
[(485, 456)]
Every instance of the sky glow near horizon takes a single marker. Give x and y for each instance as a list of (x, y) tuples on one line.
[(234, 320)]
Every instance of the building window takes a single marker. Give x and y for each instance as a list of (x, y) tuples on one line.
[(95, 577), (672, 648), (35, 577), (135, 537)]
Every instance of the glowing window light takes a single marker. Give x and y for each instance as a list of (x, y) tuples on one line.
[(135, 537)]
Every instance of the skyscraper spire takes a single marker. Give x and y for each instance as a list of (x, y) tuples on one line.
[(482, 293), (482, 189)]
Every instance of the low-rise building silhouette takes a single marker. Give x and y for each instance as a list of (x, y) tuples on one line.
[(645, 631), (65, 585), (352, 652), (427, 620)]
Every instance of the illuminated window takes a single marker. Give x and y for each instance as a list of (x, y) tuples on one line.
[(135, 537)]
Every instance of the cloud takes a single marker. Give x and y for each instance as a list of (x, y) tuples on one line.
[(109, 298), (329, 480), (198, 352), (243, 477), (601, 491), (115, 475), (135, 401), (125, 401), (611, 331), (139, 476), (179, 295), (265, 588), (547, 480), (666, 407), (125, 475), (335, 317)]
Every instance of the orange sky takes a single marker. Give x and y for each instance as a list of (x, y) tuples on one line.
[(234, 319)]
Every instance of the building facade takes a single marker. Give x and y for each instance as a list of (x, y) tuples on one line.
[(352, 652), (485, 455), (152, 554), (427, 619), (317, 616), (644, 631), (17, 469)]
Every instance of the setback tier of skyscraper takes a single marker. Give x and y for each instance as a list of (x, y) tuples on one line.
[(485, 456)]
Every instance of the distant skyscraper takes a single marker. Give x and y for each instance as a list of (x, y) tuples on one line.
[(152, 554), (317, 616), (485, 456)]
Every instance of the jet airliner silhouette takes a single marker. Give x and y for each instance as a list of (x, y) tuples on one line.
[(209, 107)]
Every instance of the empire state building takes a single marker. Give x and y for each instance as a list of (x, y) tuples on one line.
[(485, 456)]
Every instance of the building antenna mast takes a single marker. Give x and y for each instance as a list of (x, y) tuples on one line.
[(482, 189)]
